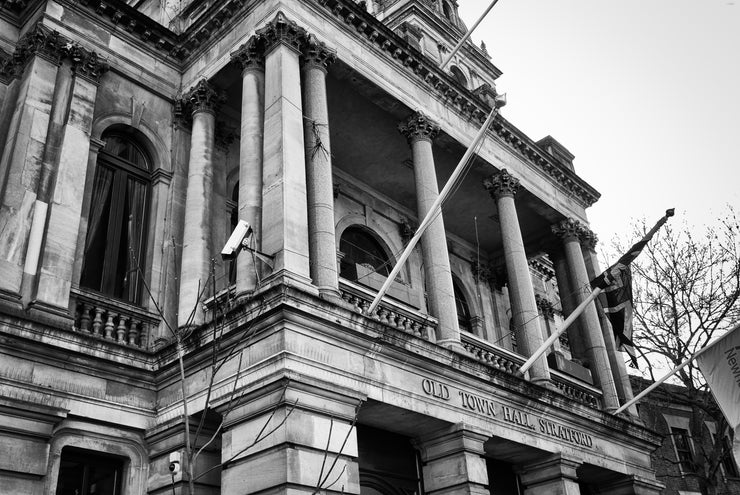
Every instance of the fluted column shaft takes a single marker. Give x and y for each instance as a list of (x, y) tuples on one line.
[(616, 360), (194, 271), (319, 186), (503, 187), (420, 132), (251, 60), (569, 231)]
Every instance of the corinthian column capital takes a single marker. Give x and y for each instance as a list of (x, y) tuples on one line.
[(589, 238), (251, 55), (282, 30), (568, 230), (419, 127), (87, 64), (501, 184), (317, 54), (203, 97)]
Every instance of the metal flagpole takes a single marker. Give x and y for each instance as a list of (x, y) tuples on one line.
[(497, 104), (568, 322), (674, 371), (434, 210), (467, 35)]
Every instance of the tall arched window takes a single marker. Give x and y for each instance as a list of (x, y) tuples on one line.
[(463, 310), (359, 247), (117, 222)]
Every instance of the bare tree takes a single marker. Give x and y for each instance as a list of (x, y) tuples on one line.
[(686, 291)]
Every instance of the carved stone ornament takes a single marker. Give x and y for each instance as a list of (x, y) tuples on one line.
[(417, 127), (251, 55), (41, 41), (568, 229), (283, 30), (545, 306), (481, 272), (589, 239), (501, 184), (317, 54), (87, 64), (203, 97)]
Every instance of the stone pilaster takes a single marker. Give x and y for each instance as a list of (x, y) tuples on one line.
[(284, 196), (49, 166), (420, 131), (65, 207), (250, 58), (555, 475), (203, 100), (569, 231), (23, 151), (616, 360), (503, 187), (453, 462), (320, 189), (313, 451)]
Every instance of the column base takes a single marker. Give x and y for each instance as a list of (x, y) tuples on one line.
[(453, 345)]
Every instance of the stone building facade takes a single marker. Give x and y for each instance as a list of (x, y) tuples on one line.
[(135, 134)]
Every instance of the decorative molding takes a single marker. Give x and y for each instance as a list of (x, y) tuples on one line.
[(588, 238), (203, 97), (251, 55), (545, 306), (501, 184), (317, 54), (406, 230), (87, 64), (569, 229), (418, 127), (285, 31), (542, 266)]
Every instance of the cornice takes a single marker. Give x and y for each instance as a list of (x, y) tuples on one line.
[(460, 99)]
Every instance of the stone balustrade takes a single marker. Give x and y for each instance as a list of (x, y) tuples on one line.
[(509, 362), (394, 315), (111, 320)]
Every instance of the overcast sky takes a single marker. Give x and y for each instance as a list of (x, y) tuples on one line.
[(645, 94)]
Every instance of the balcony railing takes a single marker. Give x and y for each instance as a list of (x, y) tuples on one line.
[(509, 362), (112, 320), (395, 315)]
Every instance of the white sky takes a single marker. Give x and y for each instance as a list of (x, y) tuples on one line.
[(645, 94)]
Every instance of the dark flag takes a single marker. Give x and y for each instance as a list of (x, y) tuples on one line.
[(616, 283)]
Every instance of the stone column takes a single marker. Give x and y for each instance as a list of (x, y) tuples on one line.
[(57, 262), (321, 236), (616, 359), (567, 300), (49, 166), (313, 451), (284, 214), (420, 132), (453, 462), (195, 269), (556, 475), (569, 231), (250, 57), (503, 187), (37, 57)]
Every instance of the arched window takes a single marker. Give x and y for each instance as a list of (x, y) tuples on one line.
[(361, 248), (114, 252), (463, 310), (459, 76), (447, 10)]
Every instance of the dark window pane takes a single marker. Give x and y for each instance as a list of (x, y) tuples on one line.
[(361, 248)]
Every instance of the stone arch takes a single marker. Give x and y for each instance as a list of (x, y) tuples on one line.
[(465, 298), (134, 454), (459, 75), (149, 138)]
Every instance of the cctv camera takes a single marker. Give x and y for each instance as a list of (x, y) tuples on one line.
[(241, 233), (174, 463)]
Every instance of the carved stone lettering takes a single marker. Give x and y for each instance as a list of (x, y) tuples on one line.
[(435, 389)]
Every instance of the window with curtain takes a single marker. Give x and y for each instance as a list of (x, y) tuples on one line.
[(361, 248), (117, 222), (463, 310)]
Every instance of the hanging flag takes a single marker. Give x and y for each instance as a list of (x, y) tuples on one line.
[(616, 282), (720, 366)]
